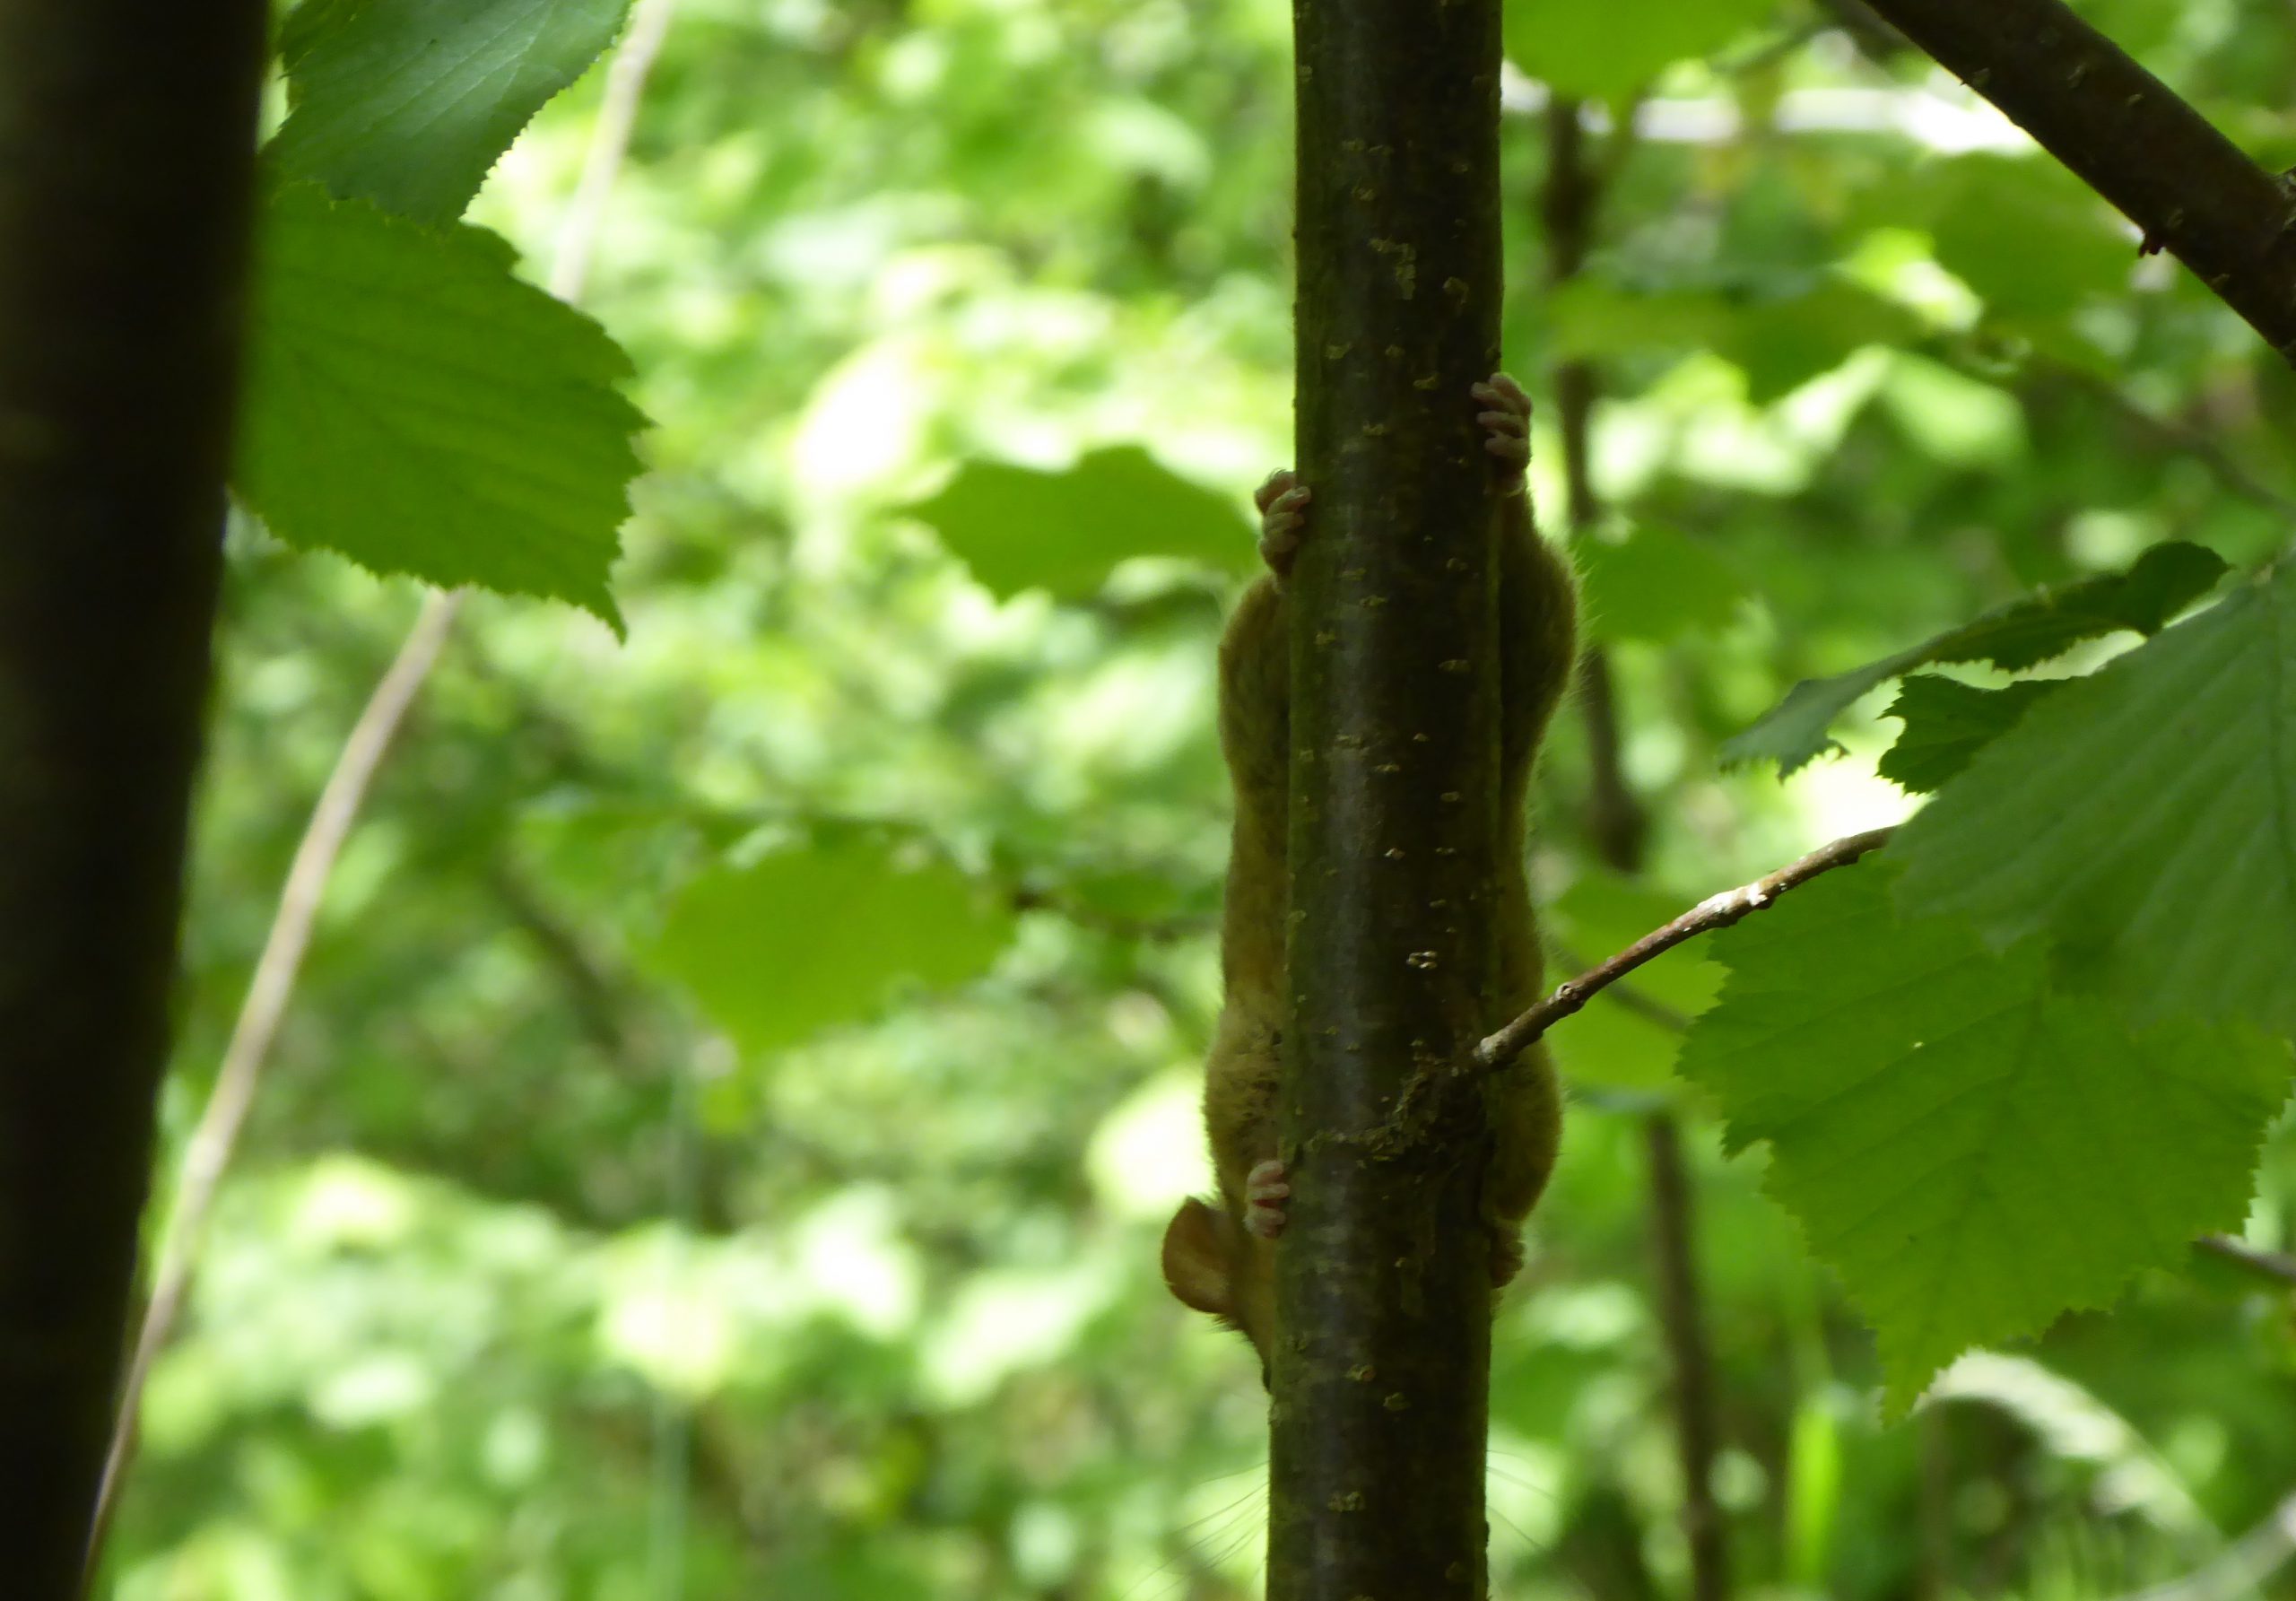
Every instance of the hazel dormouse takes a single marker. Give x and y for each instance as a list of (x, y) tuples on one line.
[(1219, 1253)]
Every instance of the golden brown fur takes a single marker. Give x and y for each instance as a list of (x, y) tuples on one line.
[(1218, 1256)]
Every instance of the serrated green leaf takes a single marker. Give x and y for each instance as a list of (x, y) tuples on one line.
[(2145, 818), (1607, 52), (409, 103), (1656, 584), (2162, 581), (1971, 1152), (1947, 723), (812, 939), (1023, 528), (415, 407)]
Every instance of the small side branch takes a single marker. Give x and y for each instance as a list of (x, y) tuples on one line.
[(2242, 1568), (2128, 137), (2275, 1265), (1715, 911), (208, 1152)]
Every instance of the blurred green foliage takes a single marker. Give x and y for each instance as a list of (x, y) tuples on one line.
[(642, 1205)]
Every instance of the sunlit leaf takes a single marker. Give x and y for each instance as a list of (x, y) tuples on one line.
[(808, 939), (2163, 581), (1024, 528), (408, 103), (2029, 238), (1591, 316), (1953, 417), (1781, 344), (1604, 52), (2144, 818), (1971, 1152), (414, 406), (1948, 722)]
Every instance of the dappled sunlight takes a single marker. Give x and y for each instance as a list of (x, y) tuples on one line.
[(718, 1140)]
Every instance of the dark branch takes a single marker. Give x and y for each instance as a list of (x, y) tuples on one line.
[(1715, 911), (1681, 1318), (1573, 188), (1621, 826), (2130, 138), (1647, 1008)]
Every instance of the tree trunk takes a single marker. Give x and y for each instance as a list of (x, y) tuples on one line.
[(127, 137), (1381, 1374)]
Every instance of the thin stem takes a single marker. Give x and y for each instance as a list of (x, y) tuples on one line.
[(209, 1150), (2242, 1569), (1715, 911), (1626, 996), (626, 75)]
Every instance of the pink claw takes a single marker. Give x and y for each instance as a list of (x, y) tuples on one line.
[(1266, 1190), (1283, 502), (1507, 422)]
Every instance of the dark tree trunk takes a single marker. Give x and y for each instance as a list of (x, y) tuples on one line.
[(127, 131), (1382, 1369)]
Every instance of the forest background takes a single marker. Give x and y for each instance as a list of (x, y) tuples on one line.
[(717, 1143)]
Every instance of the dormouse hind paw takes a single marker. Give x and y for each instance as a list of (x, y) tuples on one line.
[(1266, 1189)]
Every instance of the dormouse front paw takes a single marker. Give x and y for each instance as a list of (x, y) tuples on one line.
[(1506, 420), (1283, 502), (1266, 1189)]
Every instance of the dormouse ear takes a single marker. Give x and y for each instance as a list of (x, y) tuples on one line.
[(1196, 1262)]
